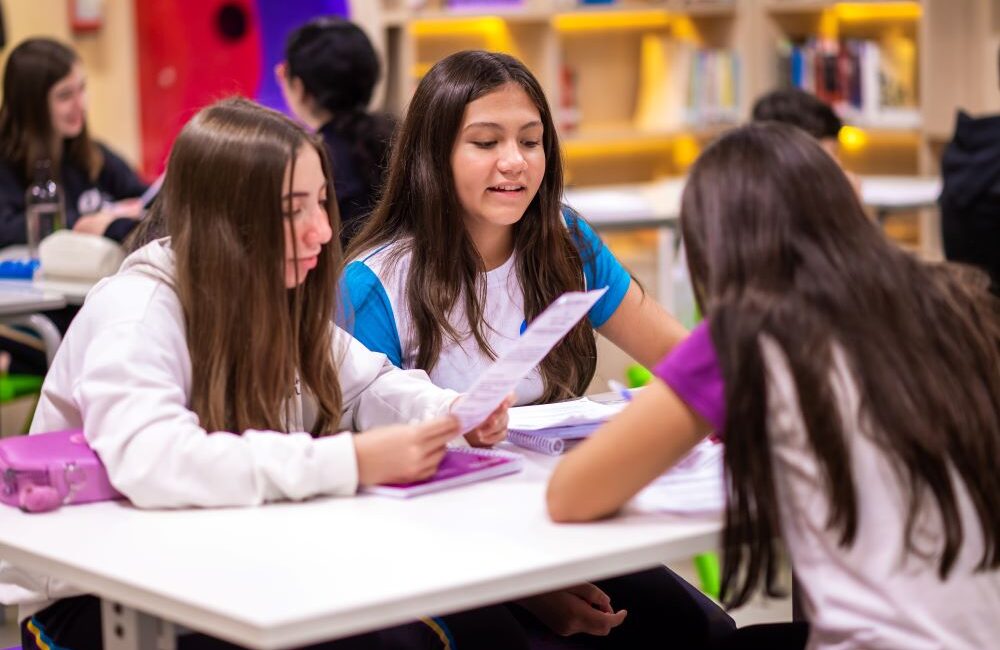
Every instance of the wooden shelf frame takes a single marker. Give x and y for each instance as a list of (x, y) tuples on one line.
[(956, 41)]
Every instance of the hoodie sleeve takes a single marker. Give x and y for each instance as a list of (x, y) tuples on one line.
[(130, 394), (376, 393)]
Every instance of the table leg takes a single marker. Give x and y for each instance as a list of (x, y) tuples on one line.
[(129, 629), (46, 330)]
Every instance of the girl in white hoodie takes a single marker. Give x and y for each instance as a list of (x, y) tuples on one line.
[(207, 371)]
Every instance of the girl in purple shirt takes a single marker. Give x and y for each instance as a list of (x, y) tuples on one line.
[(857, 390)]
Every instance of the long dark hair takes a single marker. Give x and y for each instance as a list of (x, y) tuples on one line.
[(339, 69), (786, 251), (222, 206), (33, 68), (420, 203)]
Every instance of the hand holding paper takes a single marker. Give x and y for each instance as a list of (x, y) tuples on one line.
[(512, 366)]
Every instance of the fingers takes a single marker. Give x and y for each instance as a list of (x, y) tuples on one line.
[(593, 595), (490, 432), (440, 429), (591, 621)]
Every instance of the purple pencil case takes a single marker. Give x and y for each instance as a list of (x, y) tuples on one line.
[(44, 471)]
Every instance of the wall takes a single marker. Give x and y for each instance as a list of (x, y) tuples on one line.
[(108, 56)]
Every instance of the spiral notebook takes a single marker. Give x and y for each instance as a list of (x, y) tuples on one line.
[(552, 441), (460, 465), (556, 428)]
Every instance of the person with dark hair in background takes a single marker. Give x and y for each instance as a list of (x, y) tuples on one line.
[(804, 110), (970, 199), (328, 76), (808, 112)]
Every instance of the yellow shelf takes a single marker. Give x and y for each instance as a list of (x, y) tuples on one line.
[(707, 8), (620, 140), (601, 21), (886, 10)]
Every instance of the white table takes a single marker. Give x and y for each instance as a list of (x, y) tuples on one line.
[(289, 574), (658, 205), (887, 194)]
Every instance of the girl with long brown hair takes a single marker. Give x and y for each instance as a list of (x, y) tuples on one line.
[(208, 373), (858, 393), (471, 240), (468, 243), (43, 122)]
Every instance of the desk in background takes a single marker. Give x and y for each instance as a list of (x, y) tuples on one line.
[(290, 574), (21, 304), (658, 205)]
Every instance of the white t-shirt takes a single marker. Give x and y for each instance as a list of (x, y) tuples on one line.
[(870, 595), (377, 313)]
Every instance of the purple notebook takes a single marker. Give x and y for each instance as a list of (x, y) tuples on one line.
[(460, 465)]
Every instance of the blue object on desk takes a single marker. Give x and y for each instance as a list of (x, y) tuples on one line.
[(619, 388), (18, 269)]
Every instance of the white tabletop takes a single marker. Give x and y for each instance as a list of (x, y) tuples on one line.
[(900, 192), (658, 203), (288, 574), (21, 298), (628, 206)]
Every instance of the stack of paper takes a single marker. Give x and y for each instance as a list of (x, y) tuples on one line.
[(554, 428), (695, 485)]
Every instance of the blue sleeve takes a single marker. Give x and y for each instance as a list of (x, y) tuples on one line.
[(600, 268), (367, 313)]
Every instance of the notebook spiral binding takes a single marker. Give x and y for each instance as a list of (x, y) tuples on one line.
[(531, 440)]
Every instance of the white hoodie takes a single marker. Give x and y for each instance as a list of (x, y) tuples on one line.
[(123, 375)]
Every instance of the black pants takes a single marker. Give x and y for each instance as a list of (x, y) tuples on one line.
[(75, 624), (664, 612)]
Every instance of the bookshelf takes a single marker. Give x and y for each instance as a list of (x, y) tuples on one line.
[(639, 87)]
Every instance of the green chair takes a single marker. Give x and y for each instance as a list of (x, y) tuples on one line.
[(13, 387)]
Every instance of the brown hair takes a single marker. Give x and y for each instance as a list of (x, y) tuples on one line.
[(26, 136), (420, 203), (249, 336), (786, 251)]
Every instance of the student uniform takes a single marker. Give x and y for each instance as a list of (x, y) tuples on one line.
[(376, 311), (81, 195), (970, 198), (869, 596), (661, 605), (358, 160), (123, 374)]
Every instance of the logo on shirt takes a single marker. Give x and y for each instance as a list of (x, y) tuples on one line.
[(90, 201)]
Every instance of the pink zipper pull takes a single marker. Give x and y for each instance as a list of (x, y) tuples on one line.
[(39, 498)]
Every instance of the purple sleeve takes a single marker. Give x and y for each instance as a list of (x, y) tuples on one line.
[(692, 371)]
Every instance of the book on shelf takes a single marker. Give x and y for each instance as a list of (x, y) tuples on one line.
[(683, 85), (460, 466), (869, 83)]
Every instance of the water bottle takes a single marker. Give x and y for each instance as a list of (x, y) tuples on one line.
[(43, 211)]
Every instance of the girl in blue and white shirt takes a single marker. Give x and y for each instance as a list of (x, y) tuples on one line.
[(469, 242)]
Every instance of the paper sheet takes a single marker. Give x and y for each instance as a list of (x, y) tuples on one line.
[(500, 379), (562, 414), (696, 485)]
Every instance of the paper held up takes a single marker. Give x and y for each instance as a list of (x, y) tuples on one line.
[(500, 379)]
